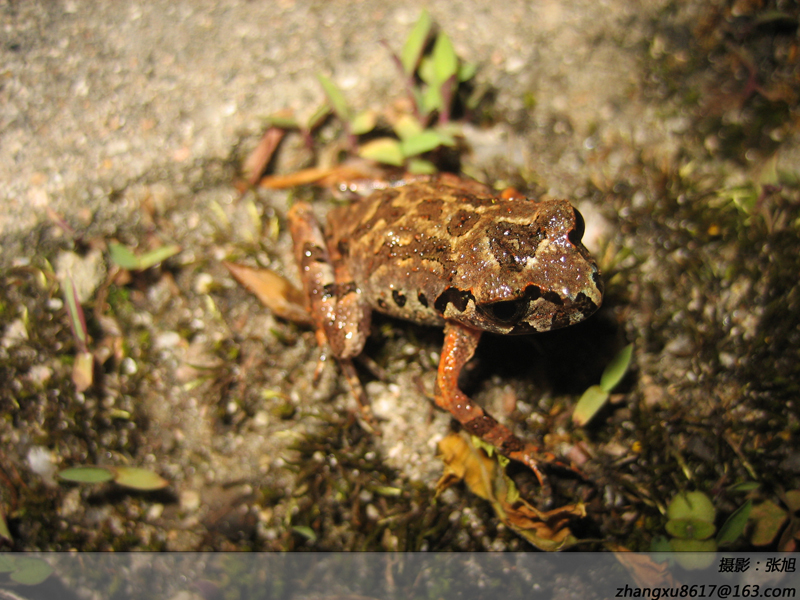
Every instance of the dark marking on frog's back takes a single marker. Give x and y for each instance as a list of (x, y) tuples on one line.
[(462, 222), (430, 209), (512, 244), (386, 211), (424, 247)]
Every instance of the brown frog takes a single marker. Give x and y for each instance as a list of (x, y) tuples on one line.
[(449, 252)]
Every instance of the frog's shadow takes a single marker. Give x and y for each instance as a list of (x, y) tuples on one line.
[(565, 361)]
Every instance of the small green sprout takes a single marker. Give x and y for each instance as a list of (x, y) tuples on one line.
[(733, 528), (691, 525), (431, 82), (127, 259), (306, 532), (83, 367), (130, 477), (595, 397)]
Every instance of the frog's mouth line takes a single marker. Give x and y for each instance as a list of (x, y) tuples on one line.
[(532, 312), (513, 312)]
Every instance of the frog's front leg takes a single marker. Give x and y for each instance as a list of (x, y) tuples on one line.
[(340, 314), (459, 346)]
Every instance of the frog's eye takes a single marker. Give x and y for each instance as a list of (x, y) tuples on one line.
[(576, 235)]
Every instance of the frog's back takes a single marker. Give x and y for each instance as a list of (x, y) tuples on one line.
[(398, 242), (441, 247)]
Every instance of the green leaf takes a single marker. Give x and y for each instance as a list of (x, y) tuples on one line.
[(384, 150), (127, 259), (415, 44), (485, 446), (419, 144), (444, 57), (385, 490), (419, 166), (690, 529), (31, 571), (335, 97), (220, 218), (447, 133), (316, 119), (466, 71), (306, 532), (406, 127), (123, 256), (432, 99), (86, 474), (616, 369), (363, 122), (691, 505), (591, 401), (746, 486), (153, 257), (745, 197), (418, 99), (427, 71), (77, 319), (139, 479), (734, 525), (282, 121)]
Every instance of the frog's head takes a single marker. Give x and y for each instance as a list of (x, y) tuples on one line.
[(536, 274)]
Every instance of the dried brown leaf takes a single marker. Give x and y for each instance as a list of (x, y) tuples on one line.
[(302, 177), (644, 570), (338, 175), (547, 530), (462, 462), (768, 519), (83, 371), (274, 292), (257, 161)]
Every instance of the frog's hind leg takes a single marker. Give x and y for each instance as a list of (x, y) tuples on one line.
[(459, 346), (340, 315)]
